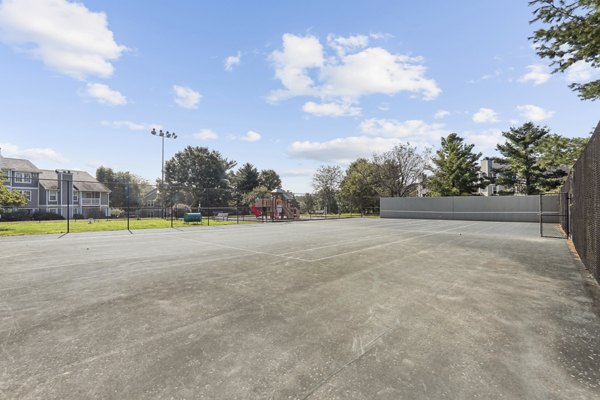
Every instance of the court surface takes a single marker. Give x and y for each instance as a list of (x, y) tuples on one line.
[(344, 309)]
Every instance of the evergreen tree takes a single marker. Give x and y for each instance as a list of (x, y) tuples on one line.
[(520, 169), (456, 170), (246, 178), (571, 37)]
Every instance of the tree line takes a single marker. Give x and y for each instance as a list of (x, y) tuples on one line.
[(194, 176), (532, 160)]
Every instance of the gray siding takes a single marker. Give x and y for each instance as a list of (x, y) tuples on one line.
[(474, 208)]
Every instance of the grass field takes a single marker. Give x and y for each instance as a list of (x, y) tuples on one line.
[(45, 227)]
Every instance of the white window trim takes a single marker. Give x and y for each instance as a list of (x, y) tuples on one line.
[(23, 177), (28, 195)]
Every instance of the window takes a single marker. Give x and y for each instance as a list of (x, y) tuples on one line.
[(27, 194), (52, 195), (22, 177), (150, 203), (53, 210), (75, 197)]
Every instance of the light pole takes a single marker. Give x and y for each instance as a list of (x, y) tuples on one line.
[(163, 135)]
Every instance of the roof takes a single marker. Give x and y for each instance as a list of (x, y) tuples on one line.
[(49, 179), (17, 164), (82, 181)]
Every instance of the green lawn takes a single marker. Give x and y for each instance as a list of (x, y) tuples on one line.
[(43, 227)]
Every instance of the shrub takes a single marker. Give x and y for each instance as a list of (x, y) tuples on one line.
[(18, 215), (46, 216), (116, 212), (78, 216), (96, 214)]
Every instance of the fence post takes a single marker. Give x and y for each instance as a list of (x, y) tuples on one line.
[(172, 211), (127, 205), (541, 218), (69, 197)]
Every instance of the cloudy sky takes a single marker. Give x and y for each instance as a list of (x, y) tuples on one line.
[(283, 85)]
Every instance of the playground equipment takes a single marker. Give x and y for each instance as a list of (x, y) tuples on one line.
[(255, 210), (278, 206)]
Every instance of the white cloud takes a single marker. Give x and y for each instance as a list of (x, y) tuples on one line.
[(441, 114), (342, 150), (534, 113), (291, 64), (251, 136), (186, 97), (132, 126), (302, 172), (105, 95), (536, 73), (65, 36), (581, 72), (205, 134), (485, 141), (343, 45), (417, 129), (33, 153), (485, 115), (330, 109), (485, 77), (233, 61), (353, 71)]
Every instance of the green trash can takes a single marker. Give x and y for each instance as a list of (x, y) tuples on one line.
[(192, 217)]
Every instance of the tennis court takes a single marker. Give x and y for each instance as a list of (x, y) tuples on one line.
[(341, 309)]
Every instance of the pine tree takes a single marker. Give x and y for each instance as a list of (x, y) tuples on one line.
[(520, 168), (456, 169)]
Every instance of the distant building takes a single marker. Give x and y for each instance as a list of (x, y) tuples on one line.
[(488, 165), (56, 191)]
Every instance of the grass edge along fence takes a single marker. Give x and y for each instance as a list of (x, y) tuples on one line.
[(581, 200)]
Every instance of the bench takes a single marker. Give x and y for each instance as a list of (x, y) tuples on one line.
[(222, 216)]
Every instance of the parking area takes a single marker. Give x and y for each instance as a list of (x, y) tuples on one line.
[(340, 309)]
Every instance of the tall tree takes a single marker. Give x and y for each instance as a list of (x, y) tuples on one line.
[(456, 171), (358, 186), (270, 179), (326, 182), (200, 172), (573, 36), (246, 178), (398, 172), (10, 198), (557, 151), (122, 184), (520, 169)]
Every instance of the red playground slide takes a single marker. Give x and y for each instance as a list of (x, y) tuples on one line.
[(255, 210)]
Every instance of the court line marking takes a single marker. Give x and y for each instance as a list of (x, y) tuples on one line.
[(246, 250), (393, 242)]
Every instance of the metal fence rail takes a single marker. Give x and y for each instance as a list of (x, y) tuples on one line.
[(582, 200)]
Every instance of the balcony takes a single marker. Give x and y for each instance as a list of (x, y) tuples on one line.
[(90, 202)]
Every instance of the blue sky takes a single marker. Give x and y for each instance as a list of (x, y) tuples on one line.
[(282, 85)]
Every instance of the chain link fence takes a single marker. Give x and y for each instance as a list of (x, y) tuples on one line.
[(580, 201), (74, 202)]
